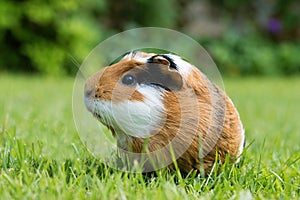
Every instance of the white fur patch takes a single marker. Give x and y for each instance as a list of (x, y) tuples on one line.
[(135, 118), (138, 56), (241, 147)]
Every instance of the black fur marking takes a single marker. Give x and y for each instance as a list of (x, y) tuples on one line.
[(133, 53), (157, 75), (161, 86)]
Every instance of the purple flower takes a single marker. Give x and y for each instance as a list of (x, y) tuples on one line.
[(274, 25)]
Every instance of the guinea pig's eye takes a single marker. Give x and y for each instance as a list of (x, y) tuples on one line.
[(128, 80)]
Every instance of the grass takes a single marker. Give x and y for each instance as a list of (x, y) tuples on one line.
[(41, 155)]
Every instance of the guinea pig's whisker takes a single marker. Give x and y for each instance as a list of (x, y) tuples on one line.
[(77, 65)]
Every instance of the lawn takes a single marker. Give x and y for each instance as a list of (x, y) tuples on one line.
[(42, 157)]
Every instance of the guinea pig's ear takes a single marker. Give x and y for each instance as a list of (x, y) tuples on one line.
[(160, 60), (164, 60)]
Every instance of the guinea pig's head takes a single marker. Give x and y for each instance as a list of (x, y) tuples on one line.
[(128, 96)]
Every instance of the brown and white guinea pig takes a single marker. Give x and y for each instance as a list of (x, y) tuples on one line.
[(159, 102)]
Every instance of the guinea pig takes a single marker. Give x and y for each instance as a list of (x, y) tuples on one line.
[(161, 103)]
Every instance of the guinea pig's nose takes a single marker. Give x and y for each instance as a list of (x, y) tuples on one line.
[(88, 90), (91, 84)]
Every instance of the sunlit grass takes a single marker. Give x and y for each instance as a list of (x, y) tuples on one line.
[(42, 157)]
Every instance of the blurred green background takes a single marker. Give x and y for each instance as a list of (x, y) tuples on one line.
[(244, 37), (255, 44)]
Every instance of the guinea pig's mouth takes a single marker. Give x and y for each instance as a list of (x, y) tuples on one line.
[(92, 107), (99, 117), (96, 115)]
